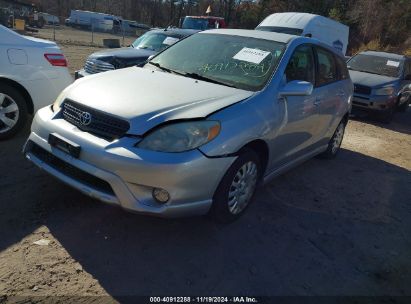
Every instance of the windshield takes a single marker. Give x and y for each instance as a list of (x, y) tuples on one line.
[(242, 62), (280, 29), (375, 65), (195, 23), (157, 41)]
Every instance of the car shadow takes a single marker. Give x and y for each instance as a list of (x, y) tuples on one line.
[(324, 228), (401, 121)]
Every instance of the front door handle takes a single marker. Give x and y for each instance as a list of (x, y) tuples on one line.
[(317, 101), (341, 94)]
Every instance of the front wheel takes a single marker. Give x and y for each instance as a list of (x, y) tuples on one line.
[(237, 188), (13, 111), (404, 106), (335, 142)]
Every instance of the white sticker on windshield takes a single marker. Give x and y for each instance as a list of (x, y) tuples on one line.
[(393, 63), (251, 55), (170, 40)]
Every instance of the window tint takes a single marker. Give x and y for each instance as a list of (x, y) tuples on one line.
[(342, 68), (301, 65), (327, 71)]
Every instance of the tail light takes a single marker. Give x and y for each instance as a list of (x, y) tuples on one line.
[(56, 59)]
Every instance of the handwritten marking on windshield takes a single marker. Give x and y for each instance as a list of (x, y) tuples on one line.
[(232, 67)]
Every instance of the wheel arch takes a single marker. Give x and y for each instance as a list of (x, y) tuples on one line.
[(260, 147), (22, 90), (346, 117)]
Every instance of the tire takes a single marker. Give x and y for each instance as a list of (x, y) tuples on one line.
[(13, 111), (225, 210), (404, 106), (335, 142), (387, 116)]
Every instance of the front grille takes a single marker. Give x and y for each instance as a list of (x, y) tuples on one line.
[(70, 171), (93, 121), (94, 66), (361, 89)]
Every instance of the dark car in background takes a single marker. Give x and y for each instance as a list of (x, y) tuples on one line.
[(382, 83), (146, 45)]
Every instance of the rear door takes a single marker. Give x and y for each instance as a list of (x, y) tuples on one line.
[(331, 91)]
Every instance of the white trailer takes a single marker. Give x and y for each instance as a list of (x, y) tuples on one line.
[(86, 19), (324, 29), (50, 19)]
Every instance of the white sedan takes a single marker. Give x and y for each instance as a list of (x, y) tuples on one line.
[(33, 72)]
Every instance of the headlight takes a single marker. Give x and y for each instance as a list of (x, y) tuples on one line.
[(181, 137), (59, 100), (384, 91)]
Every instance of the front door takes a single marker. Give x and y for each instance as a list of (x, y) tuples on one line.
[(299, 128)]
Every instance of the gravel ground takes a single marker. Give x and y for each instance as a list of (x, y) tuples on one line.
[(339, 227)]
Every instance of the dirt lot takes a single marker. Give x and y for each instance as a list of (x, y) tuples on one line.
[(339, 227)]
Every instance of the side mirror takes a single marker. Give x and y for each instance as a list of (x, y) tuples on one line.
[(296, 88)]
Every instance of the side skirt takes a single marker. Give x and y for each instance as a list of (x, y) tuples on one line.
[(284, 168)]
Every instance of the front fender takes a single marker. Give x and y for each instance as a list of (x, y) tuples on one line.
[(242, 123)]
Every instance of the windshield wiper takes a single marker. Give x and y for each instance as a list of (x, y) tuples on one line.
[(146, 48), (364, 71), (201, 77), (161, 67)]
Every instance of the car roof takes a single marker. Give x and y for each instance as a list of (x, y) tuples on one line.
[(176, 31), (285, 38), (384, 54), (297, 20)]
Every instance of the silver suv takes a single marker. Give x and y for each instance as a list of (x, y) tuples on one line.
[(199, 126), (382, 83)]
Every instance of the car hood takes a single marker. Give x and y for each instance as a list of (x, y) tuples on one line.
[(149, 97), (370, 80), (123, 57)]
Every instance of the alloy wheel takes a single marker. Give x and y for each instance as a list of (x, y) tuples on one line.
[(242, 187), (338, 138), (9, 113)]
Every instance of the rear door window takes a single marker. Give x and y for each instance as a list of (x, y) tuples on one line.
[(327, 70)]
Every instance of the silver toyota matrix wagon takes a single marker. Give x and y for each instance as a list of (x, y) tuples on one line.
[(200, 126)]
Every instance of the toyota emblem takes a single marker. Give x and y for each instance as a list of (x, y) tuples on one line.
[(85, 118)]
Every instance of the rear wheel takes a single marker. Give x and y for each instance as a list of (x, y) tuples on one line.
[(13, 111), (335, 142), (237, 188)]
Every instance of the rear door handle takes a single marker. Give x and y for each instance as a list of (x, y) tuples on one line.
[(341, 94)]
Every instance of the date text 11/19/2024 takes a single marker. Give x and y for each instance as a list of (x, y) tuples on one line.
[(203, 300)]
